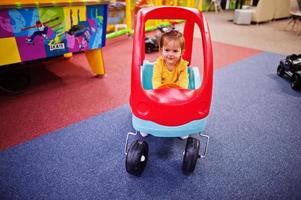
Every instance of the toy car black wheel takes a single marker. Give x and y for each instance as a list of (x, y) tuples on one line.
[(191, 155), (280, 71), (296, 82), (148, 49), (136, 157), (149, 45)]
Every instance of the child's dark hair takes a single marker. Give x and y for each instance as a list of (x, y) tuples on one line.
[(172, 35)]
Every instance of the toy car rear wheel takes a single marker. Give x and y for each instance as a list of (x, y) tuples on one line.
[(296, 82), (191, 155), (136, 157), (280, 71)]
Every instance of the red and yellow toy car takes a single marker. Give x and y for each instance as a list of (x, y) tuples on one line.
[(169, 112)]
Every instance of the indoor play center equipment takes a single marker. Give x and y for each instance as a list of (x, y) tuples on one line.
[(171, 112), (132, 7), (38, 29)]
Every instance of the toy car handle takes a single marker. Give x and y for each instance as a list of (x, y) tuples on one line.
[(200, 97)]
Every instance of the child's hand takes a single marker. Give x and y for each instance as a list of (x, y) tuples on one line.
[(169, 85)]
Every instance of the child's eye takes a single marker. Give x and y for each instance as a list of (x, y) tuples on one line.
[(175, 51), (167, 50)]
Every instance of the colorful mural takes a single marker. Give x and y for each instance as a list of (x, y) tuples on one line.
[(51, 31)]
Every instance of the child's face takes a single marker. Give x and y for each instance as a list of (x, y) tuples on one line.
[(171, 52)]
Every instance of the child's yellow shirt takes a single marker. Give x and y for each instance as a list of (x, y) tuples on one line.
[(161, 74)]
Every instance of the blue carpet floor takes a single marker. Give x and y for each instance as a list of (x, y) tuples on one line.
[(254, 150)]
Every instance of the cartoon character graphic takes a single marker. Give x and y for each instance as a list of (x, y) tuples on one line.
[(80, 31), (41, 30), (5, 26)]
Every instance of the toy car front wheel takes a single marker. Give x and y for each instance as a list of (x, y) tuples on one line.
[(296, 82), (191, 155), (136, 158), (280, 71)]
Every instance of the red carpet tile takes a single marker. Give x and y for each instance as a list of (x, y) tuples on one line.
[(63, 92), (225, 54)]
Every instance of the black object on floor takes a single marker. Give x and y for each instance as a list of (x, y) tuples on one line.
[(290, 68), (14, 82)]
